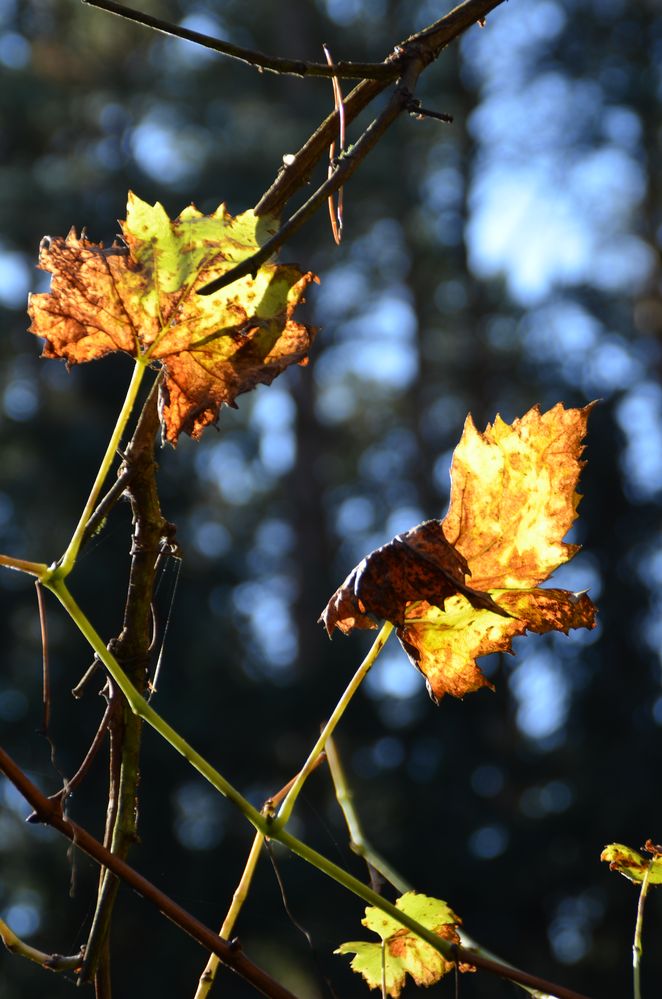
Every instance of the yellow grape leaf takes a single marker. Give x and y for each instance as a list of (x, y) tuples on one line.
[(632, 864), (140, 296), (402, 952), (513, 500)]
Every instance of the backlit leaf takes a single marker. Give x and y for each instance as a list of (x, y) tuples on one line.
[(632, 865), (513, 500), (402, 952), (140, 297), (420, 563)]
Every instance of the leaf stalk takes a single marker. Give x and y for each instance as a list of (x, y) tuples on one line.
[(637, 946), (62, 568), (286, 808)]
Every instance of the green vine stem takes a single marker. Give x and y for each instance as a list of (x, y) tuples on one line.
[(357, 841), (54, 962), (208, 976), (286, 808), (637, 946), (273, 828), (140, 706), (68, 560)]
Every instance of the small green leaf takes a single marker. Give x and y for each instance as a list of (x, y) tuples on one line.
[(404, 952), (368, 962)]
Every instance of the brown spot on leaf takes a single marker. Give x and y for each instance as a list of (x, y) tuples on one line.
[(418, 565), (141, 299), (513, 499)]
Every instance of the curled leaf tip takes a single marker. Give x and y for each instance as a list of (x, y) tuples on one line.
[(464, 587)]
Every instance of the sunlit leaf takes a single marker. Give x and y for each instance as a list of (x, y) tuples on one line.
[(632, 865), (140, 296), (402, 952), (420, 563), (473, 585)]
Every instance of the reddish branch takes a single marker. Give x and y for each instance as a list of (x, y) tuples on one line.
[(48, 812)]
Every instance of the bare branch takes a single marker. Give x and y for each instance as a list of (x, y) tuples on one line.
[(426, 44), (259, 60), (53, 962), (295, 174), (48, 812), (347, 164)]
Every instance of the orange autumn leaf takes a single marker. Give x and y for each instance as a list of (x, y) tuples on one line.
[(513, 500), (140, 297)]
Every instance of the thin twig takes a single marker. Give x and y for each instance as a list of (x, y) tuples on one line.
[(48, 812), (79, 689), (104, 507), (53, 962), (357, 841), (346, 165), (336, 214), (296, 924), (22, 565), (45, 671), (71, 784), (259, 60), (208, 976), (427, 44)]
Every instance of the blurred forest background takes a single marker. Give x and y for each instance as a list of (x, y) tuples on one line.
[(509, 259)]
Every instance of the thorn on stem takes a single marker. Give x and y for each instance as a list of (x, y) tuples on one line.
[(417, 111)]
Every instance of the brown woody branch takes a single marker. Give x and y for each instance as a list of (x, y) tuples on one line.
[(413, 56), (259, 60), (48, 812), (132, 649), (427, 44), (347, 164)]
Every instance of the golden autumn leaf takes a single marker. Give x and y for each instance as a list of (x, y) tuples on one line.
[(513, 500), (140, 297)]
